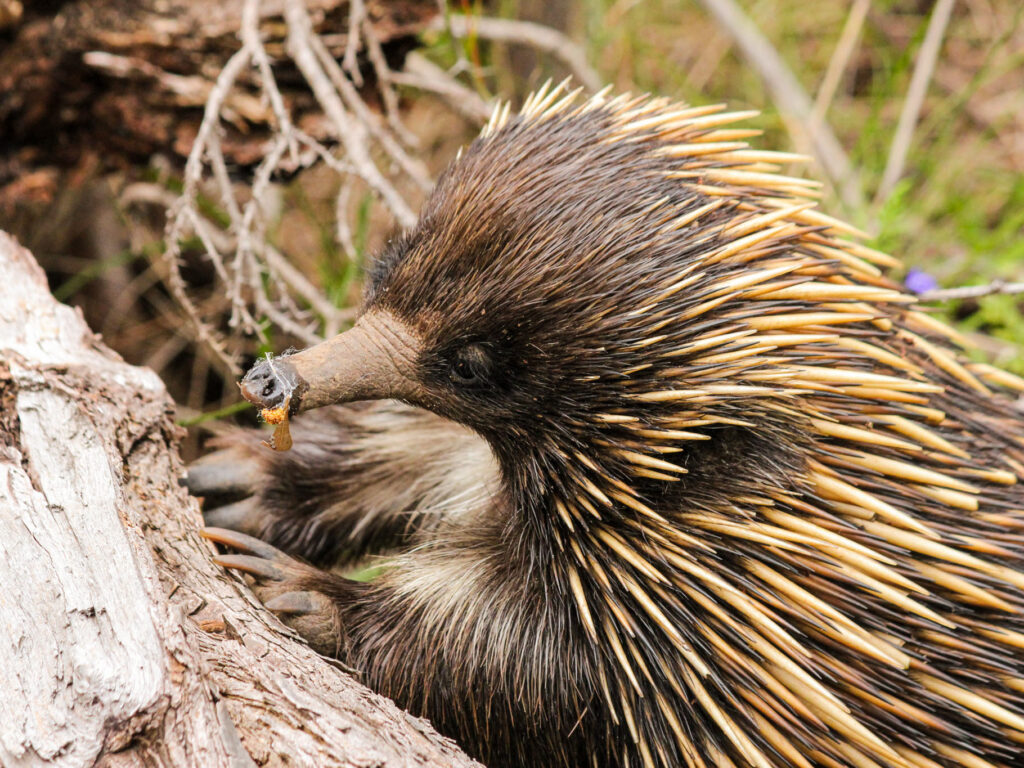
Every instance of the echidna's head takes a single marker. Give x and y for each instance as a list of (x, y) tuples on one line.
[(584, 288)]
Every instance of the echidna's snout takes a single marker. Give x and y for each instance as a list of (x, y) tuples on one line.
[(270, 383), (373, 360)]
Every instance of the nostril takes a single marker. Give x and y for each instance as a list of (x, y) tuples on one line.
[(269, 383)]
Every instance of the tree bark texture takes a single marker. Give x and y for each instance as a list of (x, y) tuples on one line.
[(121, 643), (113, 82)]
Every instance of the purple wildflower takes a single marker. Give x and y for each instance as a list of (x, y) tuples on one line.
[(919, 281)]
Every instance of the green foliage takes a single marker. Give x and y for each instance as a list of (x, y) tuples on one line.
[(338, 284), (99, 268), (368, 572), (215, 415)]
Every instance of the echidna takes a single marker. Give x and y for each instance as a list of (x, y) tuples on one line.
[(693, 484)]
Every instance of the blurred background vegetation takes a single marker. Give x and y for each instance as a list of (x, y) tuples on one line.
[(956, 213)]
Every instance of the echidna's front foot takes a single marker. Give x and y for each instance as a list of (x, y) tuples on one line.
[(227, 481), (296, 592)]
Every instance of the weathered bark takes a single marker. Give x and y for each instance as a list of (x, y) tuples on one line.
[(113, 82), (122, 643)]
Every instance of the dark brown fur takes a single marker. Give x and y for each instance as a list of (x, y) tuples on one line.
[(590, 606)]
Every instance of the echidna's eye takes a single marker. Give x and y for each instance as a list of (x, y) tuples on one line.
[(470, 365)]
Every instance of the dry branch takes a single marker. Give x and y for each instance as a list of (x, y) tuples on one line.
[(424, 75), (790, 98), (839, 61), (914, 100), (124, 645), (995, 288), (538, 36)]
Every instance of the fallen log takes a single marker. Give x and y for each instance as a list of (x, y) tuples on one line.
[(122, 643)]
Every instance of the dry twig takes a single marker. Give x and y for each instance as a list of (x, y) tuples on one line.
[(544, 39), (996, 287), (923, 69), (356, 15), (789, 96), (424, 75), (840, 60)]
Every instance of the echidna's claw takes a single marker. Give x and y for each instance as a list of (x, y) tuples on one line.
[(297, 603), (245, 516), (254, 566), (244, 543), (221, 474)]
